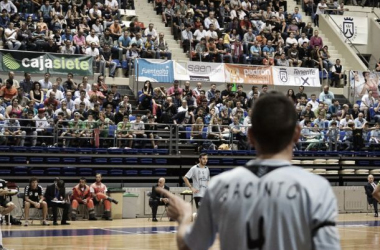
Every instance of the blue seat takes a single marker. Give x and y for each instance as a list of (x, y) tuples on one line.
[(37, 149), (131, 151), (146, 151), (4, 148), (210, 152), (131, 172), (85, 171), (227, 161), (341, 135), (5, 159), (132, 118), (188, 132), (101, 150), (160, 172), (54, 150), (204, 132), (100, 160), (161, 151), (111, 130), (124, 64), (69, 160), (213, 162), (19, 149), (146, 172), (363, 163), (225, 152), (37, 172), (85, 150), (102, 172), (5, 172), (117, 172), (117, 151), (131, 160), (19, 159), (53, 160), (36, 159), (241, 162), (215, 171), (70, 150), (146, 160), (70, 171), (118, 64), (20, 170), (161, 161), (53, 171), (85, 159), (117, 160)]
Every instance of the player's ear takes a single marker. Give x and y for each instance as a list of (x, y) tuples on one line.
[(297, 133)]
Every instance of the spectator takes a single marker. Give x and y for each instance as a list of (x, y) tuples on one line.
[(27, 83), (106, 58), (320, 11), (11, 37), (326, 96), (37, 94), (337, 74), (137, 129), (51, 100), (282, 61), (325, 55), (97, 27), (367, 102), (293, 55), (316, 40), (12, 130), (187, 39), (306, 56), (124, 44), (313, 102), (123, 131), (8, 92), (58, 93), (46, 11), (161, 47)]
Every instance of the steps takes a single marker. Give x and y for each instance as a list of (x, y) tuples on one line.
[(334, 53), (147, 14)]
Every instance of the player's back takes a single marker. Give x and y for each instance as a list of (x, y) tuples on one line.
[(293, 209)]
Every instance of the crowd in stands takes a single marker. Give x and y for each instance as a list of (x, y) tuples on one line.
[(78, 27), (261, 33)]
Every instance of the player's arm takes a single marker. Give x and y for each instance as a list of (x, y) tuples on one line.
[(376, 192), (187, 182)]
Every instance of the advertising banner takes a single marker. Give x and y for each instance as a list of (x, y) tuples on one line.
[(295, 76), (155, 70), (363, 81), (248, 74), (199, 71), (354, 28), (39, 62)]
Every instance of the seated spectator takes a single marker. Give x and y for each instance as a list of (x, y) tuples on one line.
[(106, 58), (8, 92), (96, 27), (64, 109), (4, 21), (368, 102), (156, 199), (316, 40), (57, 92), (79, 41), (68, 48), (316, 57), (201, 51), (6, 206), (326, 96), (149, 48), (123, 131), (197, 131), (132, 54), (161, 47), (34, 199), (282, 61), (116, 30), (11, 37), (37, 94), (338, 74), (82, 195), (12, 130), (92, 40), (325, 55), (305, 56), (256, 54), (168, 14), (238, 55), (51, 100), (94, 52), (82, 111), (187, 39), (293, 55)]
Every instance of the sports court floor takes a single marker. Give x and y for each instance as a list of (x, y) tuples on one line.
[(357, 231)]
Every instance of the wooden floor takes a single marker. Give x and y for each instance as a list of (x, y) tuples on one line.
[(357, 231)]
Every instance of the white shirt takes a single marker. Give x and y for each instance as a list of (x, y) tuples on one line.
[(291, 41), (302, 40), (113, 4), (212, 34), (235, 207), (9, 6), (198, 35), (85, 100), (10, 37), (58, 94), (91, 52), (153, 32), (319, 11), (98, 12), (314, 105), (90, 39), (209, 21), (45, 85), (343, 123), (41, 123), (200, 178)]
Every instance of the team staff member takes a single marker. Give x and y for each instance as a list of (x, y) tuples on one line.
[(157, 199), (200, 175), (98, 191), (82, 195), (55, 197), (35, 199), (287, 208)]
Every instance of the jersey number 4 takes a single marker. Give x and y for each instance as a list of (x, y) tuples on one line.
[(260, 241)]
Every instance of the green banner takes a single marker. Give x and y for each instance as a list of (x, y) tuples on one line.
[(40, 62)]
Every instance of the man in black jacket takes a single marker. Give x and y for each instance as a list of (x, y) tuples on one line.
[(369, 187), (55, 196), (157, 199)]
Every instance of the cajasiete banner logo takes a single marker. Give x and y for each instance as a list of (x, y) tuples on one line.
[(11, 60)]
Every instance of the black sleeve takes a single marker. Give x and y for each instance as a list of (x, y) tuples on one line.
[(49, 193)]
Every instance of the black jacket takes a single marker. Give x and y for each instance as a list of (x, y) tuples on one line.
[(368, 190), (156, 196), (50, 193)]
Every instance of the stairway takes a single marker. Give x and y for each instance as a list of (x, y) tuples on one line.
[(334, 53), (147, 14)]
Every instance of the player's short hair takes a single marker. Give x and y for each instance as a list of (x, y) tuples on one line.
[(33, 179), (201, 155), (273, 119), (60, 184), (82, 178)]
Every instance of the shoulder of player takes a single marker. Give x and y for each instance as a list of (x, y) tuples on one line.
[(238, 174), (297, 173)]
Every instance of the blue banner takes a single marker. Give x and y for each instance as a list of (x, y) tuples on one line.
[(155, 70)]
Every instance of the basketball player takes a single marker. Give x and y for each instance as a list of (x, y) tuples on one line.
[(287, 208), (200, 175), (98, 191), (82, 195)]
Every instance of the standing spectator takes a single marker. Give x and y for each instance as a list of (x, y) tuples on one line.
[(320, 11), (187, 39)]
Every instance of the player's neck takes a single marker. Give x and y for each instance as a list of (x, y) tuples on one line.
[(286, 155)]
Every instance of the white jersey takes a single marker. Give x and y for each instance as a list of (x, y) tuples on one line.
[(200, 178), (288, 208)]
